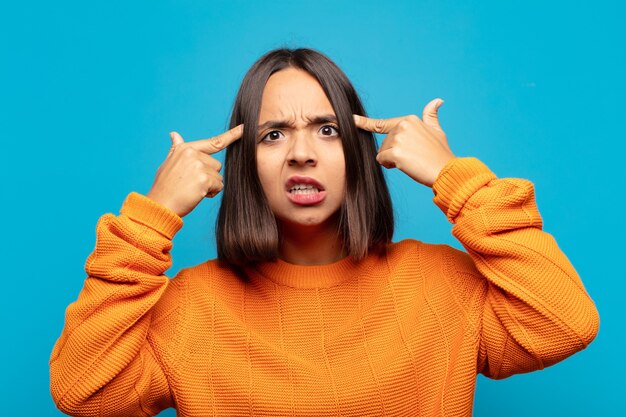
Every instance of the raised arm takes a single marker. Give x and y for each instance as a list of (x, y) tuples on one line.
[(104, 363), (536, 311)]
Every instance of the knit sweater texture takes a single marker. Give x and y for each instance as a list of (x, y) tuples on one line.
[(401, 333)]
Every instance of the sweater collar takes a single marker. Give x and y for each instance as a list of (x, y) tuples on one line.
[(312, 276)]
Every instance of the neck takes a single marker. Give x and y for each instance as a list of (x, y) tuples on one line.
[(311, 245)]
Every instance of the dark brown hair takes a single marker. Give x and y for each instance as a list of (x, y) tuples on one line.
[(246, 228)]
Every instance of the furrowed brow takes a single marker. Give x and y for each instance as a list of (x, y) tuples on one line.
[(281, 124)]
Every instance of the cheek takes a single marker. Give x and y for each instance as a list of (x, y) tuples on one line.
[(341, 181), (339, 165), (269, 176), (263, 169), (265, 178)]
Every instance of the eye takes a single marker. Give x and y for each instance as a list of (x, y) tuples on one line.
[(273, 136), (270, 136), (325, 128)]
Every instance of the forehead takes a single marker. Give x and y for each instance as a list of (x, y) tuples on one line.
[(293, 94)]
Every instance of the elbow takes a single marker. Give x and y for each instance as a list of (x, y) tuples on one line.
[(56, 388), (73, 406), (567, 338), (583, 330), (589, 324), (70, 400), (65, 403)]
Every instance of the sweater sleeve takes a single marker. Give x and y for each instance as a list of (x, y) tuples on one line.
[(535, 311), (103, 364)]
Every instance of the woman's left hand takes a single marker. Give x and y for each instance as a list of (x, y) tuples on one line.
[(417, 148)]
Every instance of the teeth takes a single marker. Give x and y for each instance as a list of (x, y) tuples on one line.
[(308, 191), (303, 189)]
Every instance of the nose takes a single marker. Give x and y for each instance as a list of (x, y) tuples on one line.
[(302, 151)]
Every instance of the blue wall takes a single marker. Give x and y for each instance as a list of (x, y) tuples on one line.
[(91, 89)]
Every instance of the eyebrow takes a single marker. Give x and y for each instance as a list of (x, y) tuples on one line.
[(280, 124)]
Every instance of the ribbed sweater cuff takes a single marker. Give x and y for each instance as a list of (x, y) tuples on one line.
[(148, 212), (459, 179)]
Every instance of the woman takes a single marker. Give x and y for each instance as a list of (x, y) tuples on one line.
[(310, 309)]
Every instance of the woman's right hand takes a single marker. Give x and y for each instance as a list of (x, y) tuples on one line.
[(190, 173)]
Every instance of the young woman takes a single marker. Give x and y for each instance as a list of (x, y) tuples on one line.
[(310, 309)]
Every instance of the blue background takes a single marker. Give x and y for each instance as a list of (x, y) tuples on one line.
[(91, 89)]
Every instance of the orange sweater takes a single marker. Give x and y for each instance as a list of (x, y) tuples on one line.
[(403, 334)]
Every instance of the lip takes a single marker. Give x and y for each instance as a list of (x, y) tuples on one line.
[(305, 199)]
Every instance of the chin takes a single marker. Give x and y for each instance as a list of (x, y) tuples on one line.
[(310, 221), (305, 221)]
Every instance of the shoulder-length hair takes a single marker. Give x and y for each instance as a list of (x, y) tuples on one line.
[(246, 229)]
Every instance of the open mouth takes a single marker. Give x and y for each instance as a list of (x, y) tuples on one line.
[(303, 190)]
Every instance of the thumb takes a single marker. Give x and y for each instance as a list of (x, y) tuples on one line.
[(176, 139), (429, 115)]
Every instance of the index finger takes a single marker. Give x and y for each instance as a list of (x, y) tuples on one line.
[(219, 142), (376, 125)]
